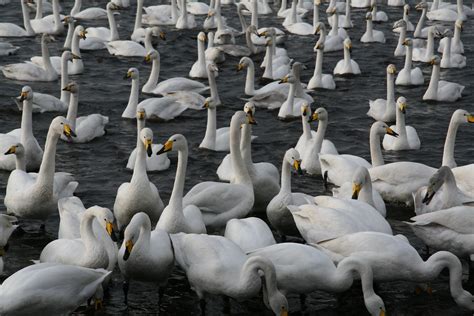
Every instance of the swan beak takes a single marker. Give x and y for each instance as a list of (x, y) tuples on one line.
[(67, 88), (163, 36), (297, 166), (391, 132), (356, 190), (11, 150), (148, 145), (314, 117), (283, 80), (470, 118), (405, 43), (392, 70), (128, 249), (240, 67), (168, 146), (403, 107), (141, 115), (305, 111), (109, 227), (206, 105), (68, 132), (283, 311), (23, 96), (147, 59), (432, 62), (428, 196), (251, 118), (74, 56), (349, 47), (382, 312), (128, 74), (265, 33), (98, 304), (83, 35)]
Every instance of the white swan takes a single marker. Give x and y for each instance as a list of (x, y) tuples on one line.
[(6, 229), (24, 292), (336, 35), (98, 36), (35, 197), (440, 90), (409, 76), (86, 127), (7, 49), (185, 19), (138, 195), (176, 218), (320, 80), (299, 276), (155, 162), (396, 3), (199, 69), (407, 135), (400, 49), (371, 35), (239, 196), (450, 59), (278, 213), (131, 48), (457, 46), (215, 138), (441, 193), (347, 66), (360, 188), (424, 54), (31, 72), (344, 19), (275, 68), (145, 255), (49, 25), (163, 14), (265, 91), (447, 13), (420, 30), (296, 26), (393, 258), (338, 169), (249, 233), (409, 26), (91, 13), (214, 264), (292, 106), (13, 30), (24, 135), (458, 118), (360, 3), (384, 109), (377, 16)]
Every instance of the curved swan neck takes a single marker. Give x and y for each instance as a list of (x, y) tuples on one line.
[(87, 231), (285, 177), (65, 95), (139, 170), (250, 79), (375, 150), (76, 8), (143, 241), (448, 152), (176, 199), (138, 17), (48, 164), (420, 24), (321, 131), (114, 35), (249, 274), (238, 164), (242, 21), (408, 57), (72, 110)]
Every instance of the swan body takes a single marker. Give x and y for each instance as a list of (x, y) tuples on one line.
[(407, 135), (249, 233), (384, 109), (199, 69), (459, 117), (185, 20), (98, 36), (424, 54), (409, 26), (292, 106), (409, 76), (440, 90), (92, 13), (215, 138), (50, 24), (347, 66)]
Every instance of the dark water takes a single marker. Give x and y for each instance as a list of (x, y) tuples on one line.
[(99, 166)]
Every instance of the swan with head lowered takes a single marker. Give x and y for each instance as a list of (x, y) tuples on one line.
[(36, 197), (320, 80), (450, 59), (441, 90), (346, 66), (176, 218), (31, 72), (216, 265), (407, 135), (457, 46), (154, 162), (24, 135), (219, 201), (13, 30), (371, 35), (409, 76), (138, 195), (384, 109)]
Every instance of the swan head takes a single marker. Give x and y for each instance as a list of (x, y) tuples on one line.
[(331, 10), (435, 182), (306, 111), (72, 87), (132, 232), (249, 108), (374, 305), (348, 44), (269, 32), (79, 30), (465, 299), (407, 42), (131, 73), (402, 104), (380, 129), (211, 67), (319, 46), (141, 114), (391, 69), (459, 24), (17, 150), (252, 29), (368, 16), (243, 118), (319, 27), (461, 117), (400, 24), (210, 103), (106, 219), (211, 13), (359, 179), (320, 114), (435, 60), (68, 20), (289, 78), (292, 156), (60, 125), (112, 6), (151, 55), (421, 6), (176, 142), (157, 31), (278, 303), (202, 37), (26, 94), (406, 9), (447, 33), (146, 137), (69, 56), (243, 63)]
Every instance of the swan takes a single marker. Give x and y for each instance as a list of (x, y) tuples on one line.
[(409, 26), (199, 69), (138, 195), (49, 25), (163, 14), (87, 251), (384, 109), (169, 85), (139, 33), (43, 7), (13, 30), (155, 162), (458, 118), (31, 72), (275, 68), (258, 38), (130, 48), (299, 276), (296, 26), (392, 258), (35, 197), (424, 54), (6, 229), (212, 52), (86, 127), (347, 66), (292, 106), (450, 59), (121, 3), (87, 14), (249, 233), (283, 11), (279, 54), (176, 218), (293, 15), (24, 135), (447, 14), (409, 76), (400, 49), (440, 90), (407, 135), (345, 19), (441, 193), (371, 35), (250, 31), (457, 46), (7, 49), (145, 255), (272, 87), (420, 30), (165, 108), (216, 139), (360, 3), (278, 213), (377, 16), (320, 80), (337, 169), (49, 289), (336, 33), (239, 196), (216, 265), (185, 20), (74, 67), (98, 36), (198, 8)]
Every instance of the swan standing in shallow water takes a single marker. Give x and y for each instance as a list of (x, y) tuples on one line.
[(457, 46), (450, 59), (440, 90), (155, 162), (320, 80), (407, 135), (176, 218), (370, 34), (347, 66), (24, 135), (13, 30), (138, 195), (409, 76), (384, 109)]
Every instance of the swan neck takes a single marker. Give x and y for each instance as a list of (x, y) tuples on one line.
[(152, 81), (138, 17), (58, 25), (318, 70), (70, 33), (139, 170), (448, 152), (87, 231), (250, 80), (174, 11), (114, 35), (26, 18), (210, 136), (46, 59), (246, 145), (39, 10), (213, 87), (447, 49), (140, 126), (250, 274), (400, 124), (48, 164), (347, 56), (27, 121), (254, 16), (176, 199), (20, 162), (201, 54), (375, 150), (408, 57), (390, 91), (65, 95), (420, 24), (133, 100), (285, 177), (321, 131), (238, 164), (291, 97), (148, 39), (366, 194), (315, 14), (72, 110), (430, 44), (306, 128), (370, 28), (434, 81)]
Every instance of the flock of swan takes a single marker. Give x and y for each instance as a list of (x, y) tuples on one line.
[(211, 232)]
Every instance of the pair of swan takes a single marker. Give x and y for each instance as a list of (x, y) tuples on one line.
[(6, 229), (138, 195), (131, 48), (291, 108), (441, 90), (298, 27), (276, 67), (49, 24), (36, 196), (164, 14), (347, 66), (457, 46), (400, 49), (13, 30), (409, 76), (320, 80), (407, 135), (449, 13), (371, 35), (32, 72), (384, 109)]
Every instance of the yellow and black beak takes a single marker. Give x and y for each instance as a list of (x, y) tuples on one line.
[(297, 166), (283, 80), (432, 61), (68, 132), (163, 36), (265, 33), (141, 115), (109, 227), (83, 34), (128, 249), (129, 74), (314, 117), (305, 111), (430, 193), (23, 96), (403, 108), (74, 56), (206, 105), (349, 47), (11, 150), (405, 43), (168, 146), (283, 311), (148, 147), (147, 58), (251, 118), (67, 88), (391, 132), (470, 118), (356, 190), (240, 67), (382, 312)]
